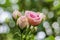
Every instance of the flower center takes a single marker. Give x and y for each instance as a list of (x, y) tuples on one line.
[(37, 15), (33, 16)]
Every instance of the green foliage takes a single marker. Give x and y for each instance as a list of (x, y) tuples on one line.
[(50, 38)]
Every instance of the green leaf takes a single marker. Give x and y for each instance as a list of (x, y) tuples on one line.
[(48, 1), (50, 38)]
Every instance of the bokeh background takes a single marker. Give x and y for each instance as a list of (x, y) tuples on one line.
[(51, 8)]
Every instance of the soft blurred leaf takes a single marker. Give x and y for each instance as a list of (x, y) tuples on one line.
[(50, 38)]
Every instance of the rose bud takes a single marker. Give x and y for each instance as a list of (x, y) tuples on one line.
[(16, 14), (35, 28), (33, 17), (22, 22)]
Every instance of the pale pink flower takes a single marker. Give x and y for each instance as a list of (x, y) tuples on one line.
[(16, 14), (22, 22), (33, 17)]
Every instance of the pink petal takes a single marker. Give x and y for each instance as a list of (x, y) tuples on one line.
[(31, 15)]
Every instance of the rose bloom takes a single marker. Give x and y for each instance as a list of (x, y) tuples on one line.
[(33, 17), (16, 14), (22, 22)]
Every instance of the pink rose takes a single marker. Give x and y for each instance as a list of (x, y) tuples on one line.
[(33, 17), (22, 22), (16, 14)]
